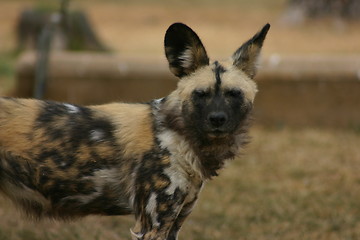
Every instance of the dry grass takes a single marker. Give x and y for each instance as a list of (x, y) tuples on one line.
[(290, 184), (222, 25), (137, 27)]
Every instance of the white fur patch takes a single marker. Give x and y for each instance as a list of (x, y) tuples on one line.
[(183, 158), (132, 184), (96, 135), (71, 108), (177, 180), (151, 209), (136, 235), (158, 101), (187, 58), (237, 55)]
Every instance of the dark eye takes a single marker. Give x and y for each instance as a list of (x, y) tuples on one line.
[(201, 93), (233, 93)]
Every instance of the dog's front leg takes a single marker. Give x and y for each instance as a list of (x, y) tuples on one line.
[(184, 213), (156, 217)]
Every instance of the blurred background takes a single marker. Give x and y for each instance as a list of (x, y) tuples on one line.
[(298, 179)]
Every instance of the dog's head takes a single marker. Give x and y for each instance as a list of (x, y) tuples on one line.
[(212, 98)]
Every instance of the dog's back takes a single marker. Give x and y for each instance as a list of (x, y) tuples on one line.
[(62, 160)]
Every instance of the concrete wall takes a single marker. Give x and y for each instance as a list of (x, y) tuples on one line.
[(314, 91), (294, 91), (85, 78)]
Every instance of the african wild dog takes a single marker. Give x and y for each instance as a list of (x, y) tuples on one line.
[(63, 161)]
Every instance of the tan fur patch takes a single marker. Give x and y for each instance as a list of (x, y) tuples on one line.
[(159, 183), (163, 207), (165, 160), (235, 78), (204, 78), (134, 123), (16, 122)]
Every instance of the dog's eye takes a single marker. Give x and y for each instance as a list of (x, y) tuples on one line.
[(201, 93), (233, 93)]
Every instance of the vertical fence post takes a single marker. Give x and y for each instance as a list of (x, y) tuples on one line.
[(44, 47)]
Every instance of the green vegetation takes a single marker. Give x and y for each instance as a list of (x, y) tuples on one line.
[(7, 74)]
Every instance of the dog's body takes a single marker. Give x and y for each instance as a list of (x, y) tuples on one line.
[(63, 161)]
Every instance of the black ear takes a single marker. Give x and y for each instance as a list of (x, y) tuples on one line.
[(184, 50), (245, 58)]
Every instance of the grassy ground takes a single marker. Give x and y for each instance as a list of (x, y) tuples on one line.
[(290, 184)]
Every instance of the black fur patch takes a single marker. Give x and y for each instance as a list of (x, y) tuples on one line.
[(178, 39), (72, 128), (69, 130), (245, 58), (193, 125), (150, 171), (218, 70), (19, 173)]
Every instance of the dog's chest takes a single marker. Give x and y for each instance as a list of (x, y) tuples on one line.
[(183, 170)]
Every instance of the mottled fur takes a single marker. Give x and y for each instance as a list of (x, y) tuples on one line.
[(63, 161)]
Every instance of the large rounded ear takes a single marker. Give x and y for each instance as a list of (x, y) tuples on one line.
[(184, 50), (246, 57)]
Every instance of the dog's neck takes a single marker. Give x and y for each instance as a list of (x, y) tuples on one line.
[(210, 153)]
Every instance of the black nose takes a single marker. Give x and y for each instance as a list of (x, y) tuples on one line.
[(217, 119)]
